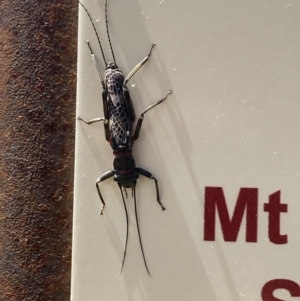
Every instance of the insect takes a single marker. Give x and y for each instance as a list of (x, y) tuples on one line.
[(118, 120)]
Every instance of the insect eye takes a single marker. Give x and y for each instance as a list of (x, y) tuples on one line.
[(111, 66)]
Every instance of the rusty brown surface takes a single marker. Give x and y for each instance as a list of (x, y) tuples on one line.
[(38, 41)]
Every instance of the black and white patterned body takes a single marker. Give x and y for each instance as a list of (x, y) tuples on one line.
[(119, 116), (120, 125)]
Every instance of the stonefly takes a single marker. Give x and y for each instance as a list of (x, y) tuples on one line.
[(119, 116)]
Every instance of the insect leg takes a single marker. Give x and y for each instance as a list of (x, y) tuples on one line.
[(105, 118), (148, 175), (138, 66), (92, 120), (141, 119), (104, 177), (126, 241), (138, 228), (129, 105), (96, 64)]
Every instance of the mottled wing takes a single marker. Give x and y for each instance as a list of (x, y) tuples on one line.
[(118, 114)]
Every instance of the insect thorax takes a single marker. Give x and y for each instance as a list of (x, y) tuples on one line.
[(124, 165), (124, 161)]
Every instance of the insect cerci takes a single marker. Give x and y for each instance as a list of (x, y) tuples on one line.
[(118, 120)]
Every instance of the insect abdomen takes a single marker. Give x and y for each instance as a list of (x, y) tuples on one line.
[(120, 123)]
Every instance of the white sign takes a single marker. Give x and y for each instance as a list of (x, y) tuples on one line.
[(224, 148)]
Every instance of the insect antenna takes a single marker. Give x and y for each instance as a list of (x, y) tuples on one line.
[(138, 227), (112, 52), (126, 213), (95, 30)]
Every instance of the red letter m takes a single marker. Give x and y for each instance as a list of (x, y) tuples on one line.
[(215, 201)]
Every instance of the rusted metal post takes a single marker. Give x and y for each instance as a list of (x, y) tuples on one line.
[(38, 42)]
